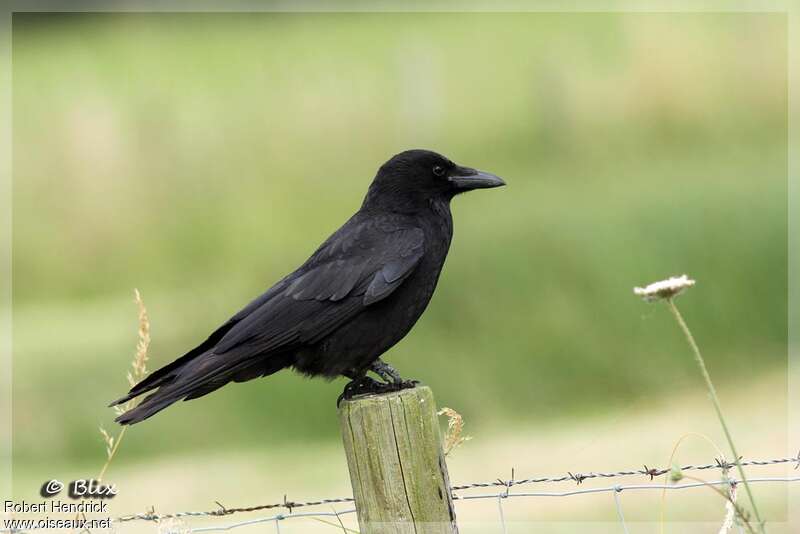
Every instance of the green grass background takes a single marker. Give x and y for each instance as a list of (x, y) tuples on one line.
[(199, 158)]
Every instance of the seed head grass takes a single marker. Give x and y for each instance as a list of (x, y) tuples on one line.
[(667, 290), (136, 374)]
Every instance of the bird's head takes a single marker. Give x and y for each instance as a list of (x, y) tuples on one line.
[(414, 178)]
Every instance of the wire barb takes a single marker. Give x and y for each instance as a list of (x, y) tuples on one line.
[(288, 504), (222, 510), (579, 478), (652, 473)]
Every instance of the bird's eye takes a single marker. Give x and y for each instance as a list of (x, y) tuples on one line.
[(438, 170)]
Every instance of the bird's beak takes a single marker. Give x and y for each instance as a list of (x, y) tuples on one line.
[(465, 178)]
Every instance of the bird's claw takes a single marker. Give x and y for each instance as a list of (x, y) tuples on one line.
[(359, 386), (406, 384), (369, 386)]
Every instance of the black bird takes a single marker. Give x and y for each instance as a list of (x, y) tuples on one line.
[(352, 300)]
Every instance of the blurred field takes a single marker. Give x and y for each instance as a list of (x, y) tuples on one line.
[(201, 157)]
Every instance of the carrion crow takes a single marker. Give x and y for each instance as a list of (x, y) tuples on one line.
[(353, 299)]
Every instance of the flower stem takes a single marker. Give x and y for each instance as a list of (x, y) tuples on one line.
[(715, 400)]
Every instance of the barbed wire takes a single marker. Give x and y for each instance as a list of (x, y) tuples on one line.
[(576, 477), (503, 495), (649, 472)]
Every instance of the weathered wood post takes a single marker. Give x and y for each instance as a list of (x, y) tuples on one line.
[(397, 467)]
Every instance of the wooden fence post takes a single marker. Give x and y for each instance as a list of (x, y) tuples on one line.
[(397, 467)]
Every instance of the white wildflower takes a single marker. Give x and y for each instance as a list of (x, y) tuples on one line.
[(664, 289)]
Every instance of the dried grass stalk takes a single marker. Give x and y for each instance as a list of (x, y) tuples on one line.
[(136, 374), (455, 428), (139, 363)]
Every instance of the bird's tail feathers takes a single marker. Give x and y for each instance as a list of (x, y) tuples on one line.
[(194, 376), (199, 377)]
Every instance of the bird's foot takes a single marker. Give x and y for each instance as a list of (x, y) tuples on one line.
[(366, 385), (403, 384), (358, 386), (388, 373), (393, 380)]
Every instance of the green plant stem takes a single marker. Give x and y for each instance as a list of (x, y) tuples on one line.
[(715, 400)]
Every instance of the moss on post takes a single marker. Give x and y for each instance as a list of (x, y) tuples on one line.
[(397, 467)]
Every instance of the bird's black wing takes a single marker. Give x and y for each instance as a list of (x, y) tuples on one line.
[(348, 273), (359, 265)]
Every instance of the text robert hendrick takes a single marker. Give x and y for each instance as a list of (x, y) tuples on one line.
[(55, 507)]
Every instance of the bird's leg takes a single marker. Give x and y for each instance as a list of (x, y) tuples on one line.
[(390, 375)]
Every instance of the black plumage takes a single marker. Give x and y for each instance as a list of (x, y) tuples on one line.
[(354, 298)]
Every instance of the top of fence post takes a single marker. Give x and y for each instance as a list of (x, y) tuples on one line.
[(397, 466)]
